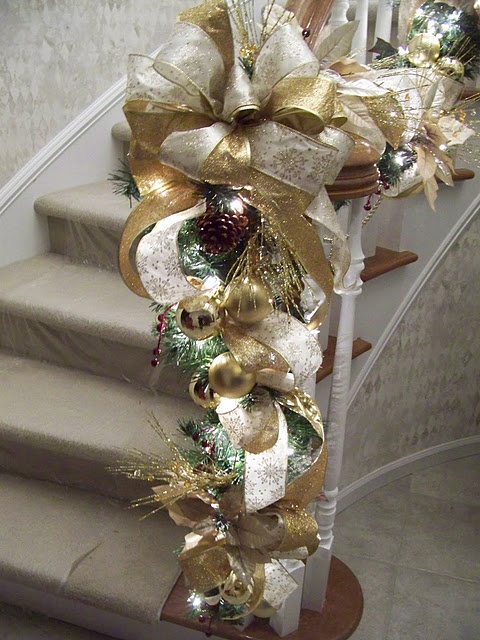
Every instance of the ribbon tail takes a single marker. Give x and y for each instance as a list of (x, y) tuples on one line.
[(322, 212), (266, 472), (158, 259)]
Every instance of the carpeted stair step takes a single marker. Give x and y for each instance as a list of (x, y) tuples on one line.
[(85, 552), (86, 222), (68, 426), (80, 316)]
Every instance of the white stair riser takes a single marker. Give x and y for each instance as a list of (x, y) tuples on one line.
[(70, 348), (84, 244), (50, 463)]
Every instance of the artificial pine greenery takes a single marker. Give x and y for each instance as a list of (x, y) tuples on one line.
[(124, 184), (192, 357), (458, 33), (212, 446), (223, 611), (394, 162)]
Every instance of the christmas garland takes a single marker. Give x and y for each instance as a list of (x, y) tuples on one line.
[(442, 48), (235, 134)]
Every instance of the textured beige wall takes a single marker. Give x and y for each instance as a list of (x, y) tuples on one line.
[(58, 56), (424, 389)]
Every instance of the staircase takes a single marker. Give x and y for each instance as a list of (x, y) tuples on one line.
[(76, 395), (77, 392)]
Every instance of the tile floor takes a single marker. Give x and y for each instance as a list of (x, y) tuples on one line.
[(415, 547)]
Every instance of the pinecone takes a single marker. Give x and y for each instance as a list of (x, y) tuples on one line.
[(223, 225)]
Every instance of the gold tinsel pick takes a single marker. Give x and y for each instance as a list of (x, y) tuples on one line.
[(269, 257), (242, 13), (172, 479)]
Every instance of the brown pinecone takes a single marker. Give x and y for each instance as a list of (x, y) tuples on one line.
[(222, 228)]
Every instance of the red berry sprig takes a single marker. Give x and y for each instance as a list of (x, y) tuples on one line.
[(161, 327)]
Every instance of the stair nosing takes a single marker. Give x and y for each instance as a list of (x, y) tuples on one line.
[(66, 205), (72, 317)]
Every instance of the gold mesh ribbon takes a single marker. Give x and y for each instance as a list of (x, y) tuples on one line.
[(284, 527), (171, 113), (307, 487)]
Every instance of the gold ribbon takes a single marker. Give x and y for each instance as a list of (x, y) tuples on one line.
[(282, 528), (305, 103), (252, 541), (307, 487)]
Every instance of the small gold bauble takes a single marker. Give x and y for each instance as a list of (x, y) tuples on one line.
[(423, 50), (249, 301), (234, 591), (264, 610), (199, 317), (450, 67), (227, 377), (202, 394)]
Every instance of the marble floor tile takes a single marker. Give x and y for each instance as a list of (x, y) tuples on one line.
[(432, 607), (377, 581), (442, 537), (457, 481), (373, 526)]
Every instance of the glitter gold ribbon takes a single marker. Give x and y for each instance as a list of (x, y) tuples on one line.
[(307, 487), (209, 559), (174, 106)]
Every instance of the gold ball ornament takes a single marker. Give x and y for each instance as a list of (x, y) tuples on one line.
[(249, 301), (234, 591), (202, 394), (228, 379), (450, 67), (423, 50), (264, 610), (199, 317)]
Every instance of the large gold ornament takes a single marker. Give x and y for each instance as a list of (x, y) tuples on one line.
[(228, 379), (450, 67), (199, 317), (423, 50), (202, 394), (248, 301)]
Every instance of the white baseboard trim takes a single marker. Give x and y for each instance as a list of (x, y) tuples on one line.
[(404, 466), (44, 158), (48, 154), (412, 294)]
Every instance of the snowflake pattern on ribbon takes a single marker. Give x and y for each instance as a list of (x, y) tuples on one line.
[(266, 472)]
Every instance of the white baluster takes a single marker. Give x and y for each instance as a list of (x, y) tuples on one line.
[(359, 44), (390, 225), (339, 13), (318, 565), (383, 24)]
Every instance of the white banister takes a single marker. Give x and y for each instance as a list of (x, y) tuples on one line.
[(318, 566), (339, 13), (383, 24), (359, 43)]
